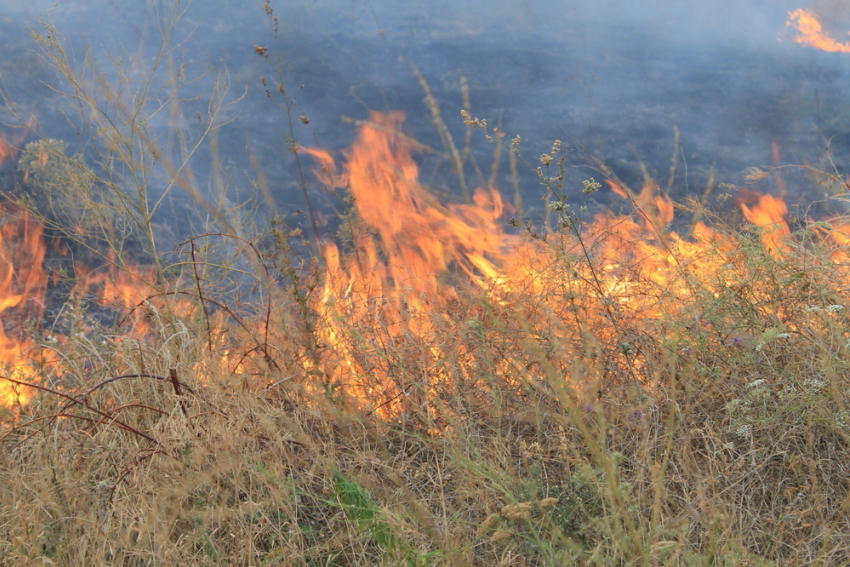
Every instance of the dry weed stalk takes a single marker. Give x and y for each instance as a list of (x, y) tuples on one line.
[(711, 434)]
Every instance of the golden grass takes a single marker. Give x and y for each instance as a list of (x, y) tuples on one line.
[(734, 456), (557, 428)]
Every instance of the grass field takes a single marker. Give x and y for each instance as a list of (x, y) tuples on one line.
[(429, 387)]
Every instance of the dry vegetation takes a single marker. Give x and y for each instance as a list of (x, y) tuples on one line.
[(696, 419)]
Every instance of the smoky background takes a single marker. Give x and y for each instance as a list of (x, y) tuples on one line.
[(614, 80)]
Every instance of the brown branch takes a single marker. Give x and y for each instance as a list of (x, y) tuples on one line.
[(79, 402)]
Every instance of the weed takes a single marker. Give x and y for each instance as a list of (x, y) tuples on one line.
[(595, 392)]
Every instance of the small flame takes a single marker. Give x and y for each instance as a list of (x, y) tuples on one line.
[(812, 34), (124, 290), (769, 213), (7, 152)]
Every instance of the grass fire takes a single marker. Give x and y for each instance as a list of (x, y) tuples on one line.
[(427, 377)]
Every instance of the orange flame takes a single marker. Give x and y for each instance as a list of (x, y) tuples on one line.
[(401, 280), (769, 213), (123, 290), (7, 152), (408, 248), (412, 261), (812, 34), (22, 286), (419, 237)]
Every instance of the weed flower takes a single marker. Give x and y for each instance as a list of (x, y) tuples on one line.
[(664, 546), (756, 174), (488, 523), (500, 535), (521, 511), (475, 122), (771, 335), (515, 144), (744, 430), (591, 186)]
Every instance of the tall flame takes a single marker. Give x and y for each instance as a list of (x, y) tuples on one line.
[(399, 285), (404, 280), (418, 239), (22, 285)]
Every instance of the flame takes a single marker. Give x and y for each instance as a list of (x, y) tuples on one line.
[(22, 286), (7, 152), (412, 259), (412, 240), (419, 236), (812, 34), (124, 290), (768, 212), (403, 280), (407, 247)]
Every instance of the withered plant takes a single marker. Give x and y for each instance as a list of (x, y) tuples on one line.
[(438, 391)]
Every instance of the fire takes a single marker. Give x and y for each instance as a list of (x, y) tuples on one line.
[(123, 290), (812, 34), (412, 260), (768, 212), (420, 237), (407, 249), (416, 273), (7, 152), (22, 286)]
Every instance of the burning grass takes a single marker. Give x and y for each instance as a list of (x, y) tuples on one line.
[(446, 393), (429, 389)]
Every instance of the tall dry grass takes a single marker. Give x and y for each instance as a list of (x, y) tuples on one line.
[(550, 430)]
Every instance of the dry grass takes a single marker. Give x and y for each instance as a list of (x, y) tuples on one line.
[(569, 427), (729, 448)]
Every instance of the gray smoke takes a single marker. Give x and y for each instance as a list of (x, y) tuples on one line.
[(611, 78)]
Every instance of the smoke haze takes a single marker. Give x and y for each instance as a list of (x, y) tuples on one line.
[(612, 78)]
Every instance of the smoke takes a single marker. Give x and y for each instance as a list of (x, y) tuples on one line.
[(741, 22), (614, 78)]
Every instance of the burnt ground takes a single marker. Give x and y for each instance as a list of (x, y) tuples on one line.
[(611, 91)]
